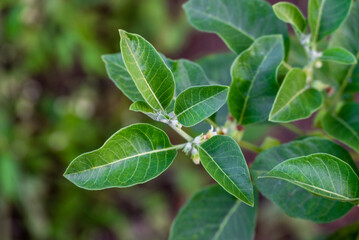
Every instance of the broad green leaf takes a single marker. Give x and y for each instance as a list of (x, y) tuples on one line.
[(237, 22), (218, 67), (198, 103), (339, 55), (347, 37), (133, 155), (141, 106), (223, 160), (344, 125), (325, 16), (117, 72), (214, 214), (289, 13), (153, 78), (321, 174), (295, 100), (296, 201), (187, 74), (254, 86)]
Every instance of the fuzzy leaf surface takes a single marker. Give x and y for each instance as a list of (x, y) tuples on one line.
[(133, 155), (295, 100), (198, 103), (238, 31), (223, 160), (254, 86), (152, 77), (289, 13), (294, 200), (344, 125), (212, 213), (321, 174), (325, 16)]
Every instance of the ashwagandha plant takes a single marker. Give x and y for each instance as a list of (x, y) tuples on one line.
[(276, 77)]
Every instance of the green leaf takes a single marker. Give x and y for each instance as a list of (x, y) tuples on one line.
[(141, 106), (187, 74), (296, 201), (218, 67), (212, 213), (238, 31), (198, 103), (133, 155), (254, 86), (289, 13), (153, 78), (344, 125), (339, 55), (325, 16), (321, 174), (295, 100), (117, 72), (223, 160)]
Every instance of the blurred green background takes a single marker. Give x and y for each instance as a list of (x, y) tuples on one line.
[(56, 102)]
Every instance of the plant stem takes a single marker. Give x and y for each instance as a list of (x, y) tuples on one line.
[(249, 146), (180, 146), (293, 129), (182, 133), (345, 82), (210, 122), (287, 65)]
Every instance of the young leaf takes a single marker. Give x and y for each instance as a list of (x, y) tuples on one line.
[(321, 174), (152, 77), (289, 13), (212, 213), (344, 125), (254, 84), (187, 74), (141, 106), (198, 103), (238, 31), (133, 155), (339, 55), (223, 160), (117, 72), (325, 16), (295, 100), (296, 201)]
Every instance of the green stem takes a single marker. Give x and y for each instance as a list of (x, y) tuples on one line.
[(210, 122), (345, 81), (182, 133), (293, 129), (249, 146), (180, 146), (286, 65)]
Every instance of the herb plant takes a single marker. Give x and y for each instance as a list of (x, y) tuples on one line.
[(276, 77)]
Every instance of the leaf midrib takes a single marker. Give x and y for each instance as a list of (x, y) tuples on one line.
[(225, 23), (311, 186), (252, 84), (139, 68), (289, 102), (213, 96), (226, 219), (123, 159), (225, 174), (317, 26), (346, 125)]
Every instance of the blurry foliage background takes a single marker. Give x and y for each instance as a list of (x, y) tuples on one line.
[(56, 102)]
